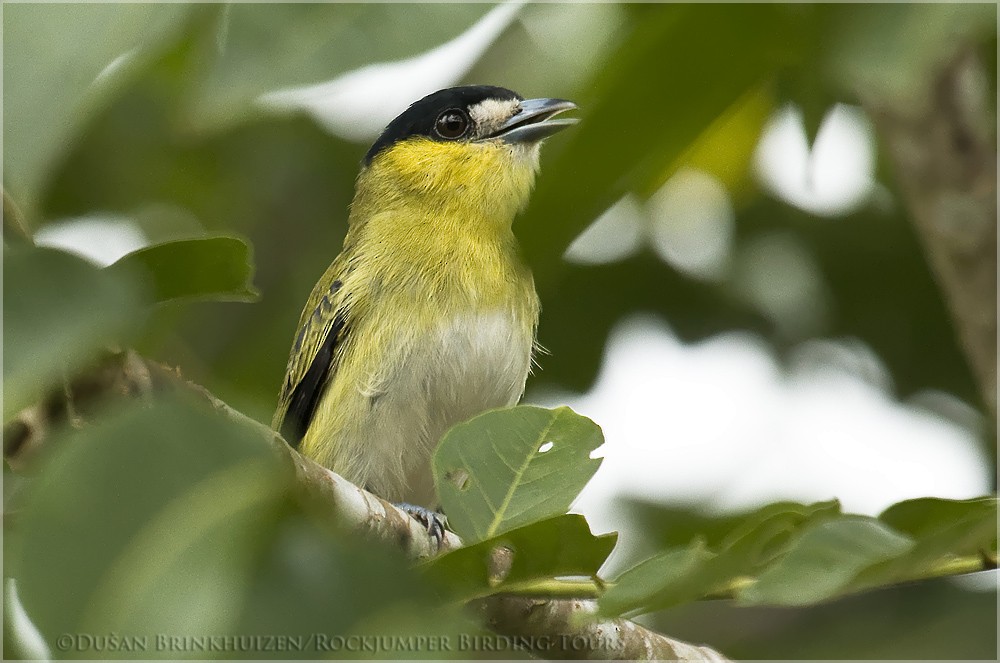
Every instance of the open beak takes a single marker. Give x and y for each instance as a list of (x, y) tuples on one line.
[(533, 121)]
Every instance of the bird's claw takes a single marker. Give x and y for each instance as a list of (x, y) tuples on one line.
[(434, 522)]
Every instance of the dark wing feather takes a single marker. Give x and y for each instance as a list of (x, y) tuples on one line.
[(306, 394), (321, 330)]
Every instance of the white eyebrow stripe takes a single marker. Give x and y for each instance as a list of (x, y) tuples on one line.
[(491, 113)]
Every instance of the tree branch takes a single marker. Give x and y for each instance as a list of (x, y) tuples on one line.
[(943, 153), (569, 629)]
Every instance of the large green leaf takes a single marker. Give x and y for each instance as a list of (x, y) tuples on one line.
[(51, 62), (507, 468), (173, 520), (559, 546), (646, 108), (59, 311), (217, 268)]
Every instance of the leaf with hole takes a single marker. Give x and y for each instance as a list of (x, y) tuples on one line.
[(507, 468)]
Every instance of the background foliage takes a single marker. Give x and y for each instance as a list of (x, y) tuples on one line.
[(171, 138)]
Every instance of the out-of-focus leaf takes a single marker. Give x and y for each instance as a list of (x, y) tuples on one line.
[(560, 546), (638, 586), (51, 66), (646, 108), (507, 468), (794, 554), (173, 520), (825, 560), (316, 43), (217, 268), (942, 530), (154, 509), (674, 526), (59, 311), (741, 545), (928, 516), (726, 148)]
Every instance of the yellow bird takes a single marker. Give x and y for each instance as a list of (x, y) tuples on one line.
[(428, 315)]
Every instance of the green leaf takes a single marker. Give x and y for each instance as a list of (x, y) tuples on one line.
[(794, 554), (943, 530), (559, 546), (825, 560), (507, 468), (213, 268), (929, 516), (50, 72), (641, 116), (128, 507), (59, 312), (176, 520), (671, 526), (640, 585), (744, 544)]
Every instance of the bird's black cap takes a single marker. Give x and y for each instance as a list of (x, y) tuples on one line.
[(418, 119)]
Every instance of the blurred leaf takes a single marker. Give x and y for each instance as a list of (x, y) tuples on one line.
[(146, 513), (641, 584), (175, 520), (640, 114), (726, 148), (559, 546), (217, 268), (824, 561), (929, 516), (507, 468), (942, 530), (51, 65), (59, 311), (671, 526), (743, 544), (317, 42), (792, 554)]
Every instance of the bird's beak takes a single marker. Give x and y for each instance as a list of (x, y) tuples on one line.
[(533, 121)]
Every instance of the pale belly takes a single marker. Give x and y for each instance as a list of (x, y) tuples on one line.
[(441, 377)]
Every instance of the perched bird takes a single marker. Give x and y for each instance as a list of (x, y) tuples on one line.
[(428, 316)]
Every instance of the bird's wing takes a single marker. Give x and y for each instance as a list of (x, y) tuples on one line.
[(322, 328)]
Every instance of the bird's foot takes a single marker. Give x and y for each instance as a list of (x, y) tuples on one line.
[(434, 522)]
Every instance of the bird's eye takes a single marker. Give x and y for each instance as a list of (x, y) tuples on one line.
[(452, 124)]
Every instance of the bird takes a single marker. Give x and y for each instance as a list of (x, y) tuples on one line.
[(428, 315)]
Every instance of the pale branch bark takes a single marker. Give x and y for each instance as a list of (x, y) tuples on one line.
[(943, 152), (570, 629), (570, 626)]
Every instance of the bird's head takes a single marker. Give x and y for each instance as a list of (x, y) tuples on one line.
[(473, 145)]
